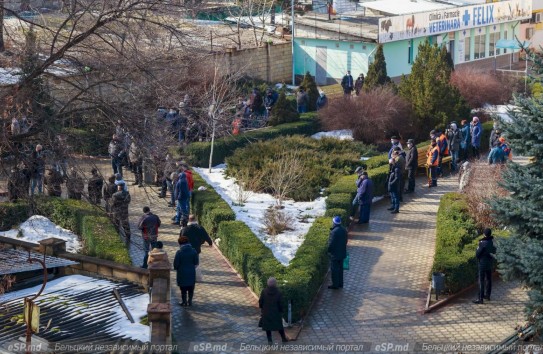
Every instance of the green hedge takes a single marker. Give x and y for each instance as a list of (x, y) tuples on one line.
[(198, 153), (98, 234), (456, 242), (300, 281)]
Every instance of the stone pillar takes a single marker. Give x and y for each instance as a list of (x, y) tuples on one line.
[(52, 246), (159, 311)]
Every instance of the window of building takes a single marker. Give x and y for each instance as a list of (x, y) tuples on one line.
[(504, 37), (479, 46), (409, 52), (529, 32), (492, 39), (467, 48)]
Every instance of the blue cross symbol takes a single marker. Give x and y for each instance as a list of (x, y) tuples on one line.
[(466, 18), (464, 32)]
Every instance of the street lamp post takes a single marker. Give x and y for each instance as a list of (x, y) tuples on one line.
[(292, 41)]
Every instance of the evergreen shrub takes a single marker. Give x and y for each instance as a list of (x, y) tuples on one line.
[(198, 153), (284, 111)]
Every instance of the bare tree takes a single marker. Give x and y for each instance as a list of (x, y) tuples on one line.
[(2, 46), (288, 170), (253, 13)]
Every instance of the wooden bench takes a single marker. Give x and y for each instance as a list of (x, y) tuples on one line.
[(422, 159)]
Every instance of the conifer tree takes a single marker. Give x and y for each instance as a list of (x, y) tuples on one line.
[(377, 71), (434, 100), (284, 111), (520, 256), (312, 91)]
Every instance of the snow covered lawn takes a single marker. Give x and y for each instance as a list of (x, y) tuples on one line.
[(67, 288), (284, 245), (38, 227)]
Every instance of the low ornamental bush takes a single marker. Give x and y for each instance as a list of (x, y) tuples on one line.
[(100, 237), (198, 153), (456, 242), (323, 160)]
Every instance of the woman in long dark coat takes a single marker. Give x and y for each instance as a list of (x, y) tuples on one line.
[(185, 262), (271, 311)]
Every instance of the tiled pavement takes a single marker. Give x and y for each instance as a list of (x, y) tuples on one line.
[(384, 290), (386, 287)]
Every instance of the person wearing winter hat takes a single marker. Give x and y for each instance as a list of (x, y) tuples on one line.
[(337, 251), (485, 255), (475, 133), (411, 164)]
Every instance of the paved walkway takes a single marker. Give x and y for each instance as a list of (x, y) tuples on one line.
[(384, 290), (390, 262)]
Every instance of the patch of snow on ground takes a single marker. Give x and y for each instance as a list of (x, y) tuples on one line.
[(284, 245), (344, 134), (56, 290), (9, 76), (38, 227)]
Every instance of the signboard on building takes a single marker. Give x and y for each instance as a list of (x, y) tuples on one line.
[(430, 23)]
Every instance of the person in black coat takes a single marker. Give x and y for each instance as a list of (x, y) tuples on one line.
[(185, 262), (271, 309), (411, 165), (94, 187), (485, 256), (337, 251), (394, 187), (196, 234)]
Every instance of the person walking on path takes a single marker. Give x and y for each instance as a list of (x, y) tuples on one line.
[(411, 165), (196, 234), (185, 262), (394, 186), (271, 311), (365, 196), (432, 160), (337, 251), (347, 83), (475, 133), (94, 187), (182, 197), (148, 224), (120, 201), (485, 255)]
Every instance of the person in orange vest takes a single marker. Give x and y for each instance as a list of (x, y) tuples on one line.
[(443, 145), (432, 161)]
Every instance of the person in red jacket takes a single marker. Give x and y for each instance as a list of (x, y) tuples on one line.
[(190, 182)]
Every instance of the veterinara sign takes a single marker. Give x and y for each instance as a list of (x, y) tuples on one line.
[(430, 23)]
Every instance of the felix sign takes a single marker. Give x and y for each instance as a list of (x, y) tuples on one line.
[(424, 24)]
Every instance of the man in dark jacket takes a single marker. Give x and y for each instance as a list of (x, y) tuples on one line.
[(466, 140), (116, 152), (94, 188), (365, 196), (148, 224), (347, 83), (411, 165), (37, 170), (109, 189), (337, 251), (455, 137), (185, 262), (399, 157), (196, 233), (322, 101), (394, 186), (271, 310), (494, 137), (485, 256), (182, 197), (302, 100), (120, 202)]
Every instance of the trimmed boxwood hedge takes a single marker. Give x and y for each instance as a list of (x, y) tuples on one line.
[(99, 235), (198, 153), (300, 281), (456, 242)]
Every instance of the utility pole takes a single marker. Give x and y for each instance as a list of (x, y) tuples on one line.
[(292, 41)]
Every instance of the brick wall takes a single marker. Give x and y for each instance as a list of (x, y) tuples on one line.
[(270, 62)]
